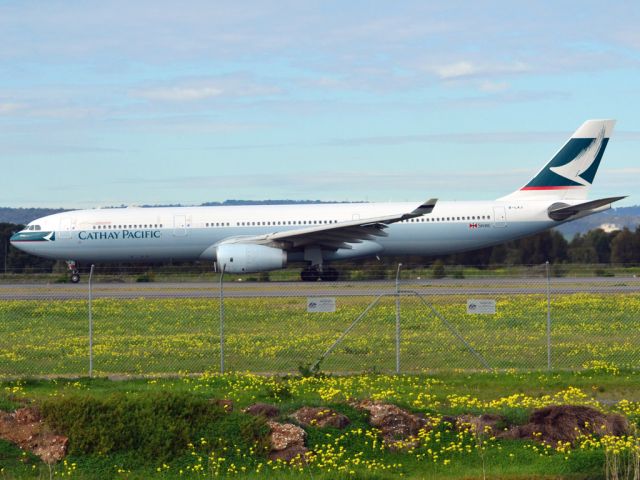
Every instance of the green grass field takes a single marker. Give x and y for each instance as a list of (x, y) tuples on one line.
[(222, 448), (277, 335)]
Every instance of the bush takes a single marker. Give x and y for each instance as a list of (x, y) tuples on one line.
[(458, 273), (558, 270), (601, 272), (146, 277), (437, 269), (157, 426)]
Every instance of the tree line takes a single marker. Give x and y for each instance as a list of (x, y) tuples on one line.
[(594, 247)]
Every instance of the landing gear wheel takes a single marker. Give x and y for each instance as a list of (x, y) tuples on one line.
[(73, 268), (309, 275), (329, 275)]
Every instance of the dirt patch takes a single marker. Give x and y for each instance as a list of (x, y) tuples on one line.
[(320, 417), (262, 410), (25, 428), (565, 423), (287, 442), (487, 423), (398, 427)]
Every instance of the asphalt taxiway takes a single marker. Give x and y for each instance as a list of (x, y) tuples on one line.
[(467, 286)]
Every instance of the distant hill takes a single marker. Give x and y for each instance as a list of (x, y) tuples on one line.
[(22, 216), (619, 217)]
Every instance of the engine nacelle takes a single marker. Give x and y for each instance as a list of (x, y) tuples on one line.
[(249, 258)]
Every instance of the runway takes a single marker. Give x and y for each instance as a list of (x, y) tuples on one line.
[(467, 286)]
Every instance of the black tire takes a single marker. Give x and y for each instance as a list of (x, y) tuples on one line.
[(75, 277), (309, 275), (329, 275)]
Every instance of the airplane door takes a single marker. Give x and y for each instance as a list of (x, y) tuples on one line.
[(66, 225), (179, 225), (499, 217)]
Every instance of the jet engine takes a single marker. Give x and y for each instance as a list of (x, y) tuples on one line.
[(248, 258)]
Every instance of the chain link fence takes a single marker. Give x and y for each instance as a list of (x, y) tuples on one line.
[(404, 319)]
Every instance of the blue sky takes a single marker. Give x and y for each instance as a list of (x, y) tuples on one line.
[(155, 102)]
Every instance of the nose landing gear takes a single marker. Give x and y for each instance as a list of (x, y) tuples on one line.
[(75, 273)]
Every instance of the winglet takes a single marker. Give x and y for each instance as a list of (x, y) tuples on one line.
[(426, 207)]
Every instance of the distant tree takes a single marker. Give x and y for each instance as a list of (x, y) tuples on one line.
[(498, 254), (601, 243), (622, 248), (16, 260), (579, 251)]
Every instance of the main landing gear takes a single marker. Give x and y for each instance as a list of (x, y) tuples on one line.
[(313, 274), (316, 270), (75, 273)]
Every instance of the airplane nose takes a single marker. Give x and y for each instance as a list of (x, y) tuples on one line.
[(15, 237)]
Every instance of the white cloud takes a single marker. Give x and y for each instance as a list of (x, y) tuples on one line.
[(466, 69), (193, 89), (8, 108), (493, 87), (181, 94), (455, 70)]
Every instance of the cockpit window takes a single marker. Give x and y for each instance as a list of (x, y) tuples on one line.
[(31, 228)]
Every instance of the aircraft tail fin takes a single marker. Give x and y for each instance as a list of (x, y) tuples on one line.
[(571, 171)]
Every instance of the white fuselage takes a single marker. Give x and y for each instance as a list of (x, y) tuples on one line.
[(188, 233)]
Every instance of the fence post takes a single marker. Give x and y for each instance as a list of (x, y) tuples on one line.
[(398, 319), (91, 321), (548, 316), (222, 318)]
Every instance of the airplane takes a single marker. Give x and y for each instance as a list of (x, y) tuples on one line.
[(247, 239)]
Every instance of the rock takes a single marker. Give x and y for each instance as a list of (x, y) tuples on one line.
[(398, 427), (564, 423), (262, 409), (25, 428), (320, 417), (294, 453), (51, 448), (287, 441)]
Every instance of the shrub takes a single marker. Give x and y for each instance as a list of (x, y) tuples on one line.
[(146, 277), (437, 269), (155, 425)]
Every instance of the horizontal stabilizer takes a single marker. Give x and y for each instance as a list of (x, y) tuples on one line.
[(562, 211)]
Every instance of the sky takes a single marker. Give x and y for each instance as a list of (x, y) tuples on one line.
[(162, 102)]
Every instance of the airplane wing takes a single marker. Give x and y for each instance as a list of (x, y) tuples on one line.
[(335, 235)]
